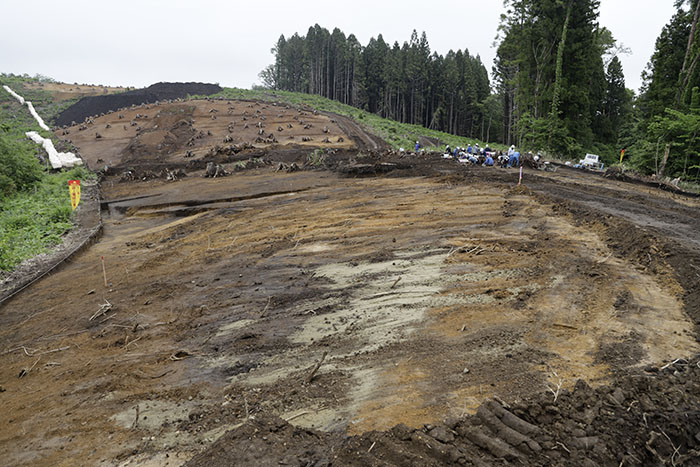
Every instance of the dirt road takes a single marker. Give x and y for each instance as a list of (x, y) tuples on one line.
[(422, 294)]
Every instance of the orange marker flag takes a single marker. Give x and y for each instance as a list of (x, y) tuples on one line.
[(74, 188)]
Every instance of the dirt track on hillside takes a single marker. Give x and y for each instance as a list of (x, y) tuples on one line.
[(425, 292)]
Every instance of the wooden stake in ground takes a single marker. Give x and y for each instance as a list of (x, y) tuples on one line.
[(521, 175), (318, 365), (104, 272)]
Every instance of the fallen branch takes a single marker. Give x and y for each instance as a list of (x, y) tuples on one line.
[(24, 372), (371, 447), (262, 315), (604, 259), (21, 347), (673, 363), (180, 355), (60, 349), (562, 325), (136, 419), (559, 384), (143, 375), (395, 282), (648, 444), (296, 416), (135, 340), (318, 365), (564, 446), (104, 308)]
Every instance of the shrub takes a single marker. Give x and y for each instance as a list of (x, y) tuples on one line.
[(19, 169)]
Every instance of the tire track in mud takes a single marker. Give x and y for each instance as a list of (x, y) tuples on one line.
[(648, 419), (362, 138), (668, 217), (639, 228)]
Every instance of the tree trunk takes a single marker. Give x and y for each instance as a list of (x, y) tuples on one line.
[(559, 69), (682, 79), (667, 152), (488, 130)]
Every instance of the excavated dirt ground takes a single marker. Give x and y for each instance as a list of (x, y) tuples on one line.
[(159, 136), (423, 287), (64, 91)]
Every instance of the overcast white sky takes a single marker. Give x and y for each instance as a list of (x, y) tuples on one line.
[(140, 42)]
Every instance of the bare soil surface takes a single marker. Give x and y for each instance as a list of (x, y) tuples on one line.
[(298, 317), (65, 91), (182, 133), (646, 419)]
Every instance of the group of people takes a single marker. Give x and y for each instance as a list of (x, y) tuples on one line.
[(484, 156)]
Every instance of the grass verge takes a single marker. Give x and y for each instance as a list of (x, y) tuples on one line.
[(34, 220), (35, 209)]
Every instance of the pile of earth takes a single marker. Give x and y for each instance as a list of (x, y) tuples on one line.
[(96, 105), (650, 418), (665, 183)]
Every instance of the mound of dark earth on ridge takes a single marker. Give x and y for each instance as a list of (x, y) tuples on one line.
[(650, 418), (96, 105)]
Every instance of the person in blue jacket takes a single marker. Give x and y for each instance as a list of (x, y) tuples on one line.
[(514, 160), (469, 148), (489, 160), (417, 146)]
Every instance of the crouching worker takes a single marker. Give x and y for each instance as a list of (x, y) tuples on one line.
[(514, 159), (489, 160)]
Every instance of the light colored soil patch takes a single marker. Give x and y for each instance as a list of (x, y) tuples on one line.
[(234, 307)]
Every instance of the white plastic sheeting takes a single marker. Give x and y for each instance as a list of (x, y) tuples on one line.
[(21, 100), (14, 94), (36, 116), (57, 159)]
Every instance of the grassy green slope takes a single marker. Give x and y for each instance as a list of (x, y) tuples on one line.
[(35, 208), (398, 135)]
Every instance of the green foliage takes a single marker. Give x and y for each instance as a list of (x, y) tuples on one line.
[(32, 221), (661, 77), (402, 82), (42, 101), (35, 209), (19, 169), (549, 66), (316, 158), (682, 131), (670, 103)]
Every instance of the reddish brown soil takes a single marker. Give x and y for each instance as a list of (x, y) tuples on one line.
[(424, 286), (162, 135)]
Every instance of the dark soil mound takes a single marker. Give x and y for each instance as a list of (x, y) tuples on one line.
[(652, 418), (96, 105), (618, 173)]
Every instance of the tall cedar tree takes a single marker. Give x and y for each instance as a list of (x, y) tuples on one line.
[(405, 82), (668, 131), (541, 107)]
